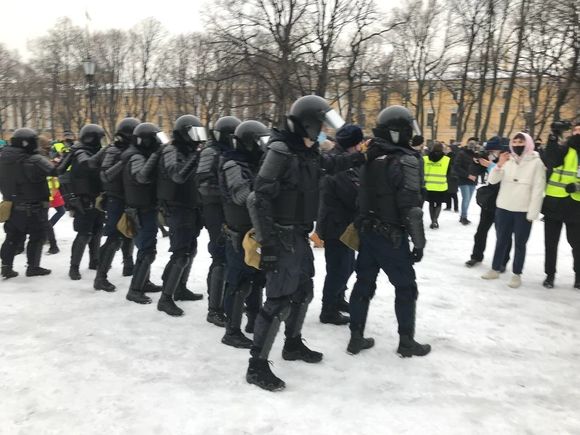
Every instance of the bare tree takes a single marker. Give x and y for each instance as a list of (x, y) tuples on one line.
[(9, 66)]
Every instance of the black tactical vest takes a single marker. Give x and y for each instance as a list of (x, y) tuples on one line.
[(85, 181), (137, 195), (115, 186), (237, 217), (174, 194), (297, 203), (20, 180), (377, 197)]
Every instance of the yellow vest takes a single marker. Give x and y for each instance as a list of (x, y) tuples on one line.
[(53, 184), (563, 175), (436, 174)]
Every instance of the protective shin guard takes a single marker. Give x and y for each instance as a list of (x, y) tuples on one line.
[(106, 255), (299, 308), (234, 320), (272, 328), (216, 288), (127, 249), (78, 249)]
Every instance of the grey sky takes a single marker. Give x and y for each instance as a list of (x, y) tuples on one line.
[(24, 20)]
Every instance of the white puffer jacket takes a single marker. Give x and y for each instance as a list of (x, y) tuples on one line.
[(523, 181)]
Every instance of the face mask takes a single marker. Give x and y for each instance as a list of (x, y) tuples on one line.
[(321, 137), (519, 150)]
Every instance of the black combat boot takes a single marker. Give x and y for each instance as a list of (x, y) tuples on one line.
[(251, 322), (106, 255), (358, 342), (343, 306), (259, 374), (295, 349), (472, 262), (216, 317), (102, 283), (167, 305), (37, 271), (184, 294), (8, 272), (74, 273), (149, 287), (235, 338), (333, 317), (136, 293), (577, 282), (408, 347), (549, 281)]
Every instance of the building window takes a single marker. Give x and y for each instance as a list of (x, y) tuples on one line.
[(431, 95), (160, 122), (453, 122), (430, 119), (528, 116), (505, 93), (455, 94)]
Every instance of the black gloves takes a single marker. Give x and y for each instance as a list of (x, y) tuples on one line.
[(374, 151), (416, 255), (571, 188), (269, 258)]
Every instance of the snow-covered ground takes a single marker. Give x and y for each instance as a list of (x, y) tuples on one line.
[(76, 361)]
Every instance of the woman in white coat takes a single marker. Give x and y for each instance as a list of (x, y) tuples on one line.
[(523, 180)]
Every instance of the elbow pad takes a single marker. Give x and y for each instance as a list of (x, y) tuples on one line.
[(414, 225)]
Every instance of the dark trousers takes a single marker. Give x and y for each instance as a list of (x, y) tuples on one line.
[(339, 267), (552, 231), (146, 237), (32, 221), (486, 220), (213, 219), (115, 208), (376, 253), (239, 273), (290, 287), (184, 227), (508, 223), (59, 212), (452, 200)]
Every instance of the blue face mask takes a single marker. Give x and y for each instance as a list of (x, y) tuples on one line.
[(321, 137)]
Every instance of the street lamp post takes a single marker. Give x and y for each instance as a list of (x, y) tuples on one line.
[(89, 67)]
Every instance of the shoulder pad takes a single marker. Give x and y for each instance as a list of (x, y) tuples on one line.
[(280, 147), (208, 152), (229, 165), (408, 160)]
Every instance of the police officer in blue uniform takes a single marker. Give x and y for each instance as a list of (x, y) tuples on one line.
[(390, 213)]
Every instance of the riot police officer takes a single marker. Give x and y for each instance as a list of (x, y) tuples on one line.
[(390, 202), (139, 176), (23, 173), (213, 215), (178, 199), (86, 186), (112, 177), (238, 169), (283, 207)]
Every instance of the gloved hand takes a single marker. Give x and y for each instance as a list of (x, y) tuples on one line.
[(571, 188), (416, 255), (269, 258)]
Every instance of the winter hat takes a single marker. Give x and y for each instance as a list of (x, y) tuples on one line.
[(349, 135), (497, 143), (417, 140)]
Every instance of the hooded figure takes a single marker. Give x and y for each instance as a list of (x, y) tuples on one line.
[(523, 179)]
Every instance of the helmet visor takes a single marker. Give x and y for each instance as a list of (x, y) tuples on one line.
[(333, 119), (197, 134), (416, 129), (264, 141), (162, 138)]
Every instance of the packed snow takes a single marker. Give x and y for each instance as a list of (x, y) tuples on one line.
[(76, 361)]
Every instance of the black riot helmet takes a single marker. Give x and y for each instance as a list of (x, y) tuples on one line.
[(148, 136), (92, 135), (251, 136), (25, 138), (125, 129), (188, 129), (224, 128), (397, 125), (307, 115)]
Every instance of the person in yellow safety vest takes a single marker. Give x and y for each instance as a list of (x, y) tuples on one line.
[(59, 148), (562, 203), (56, 202), (436, 167)]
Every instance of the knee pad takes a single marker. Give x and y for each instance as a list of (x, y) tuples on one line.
[(304, 294), (276, 308)]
